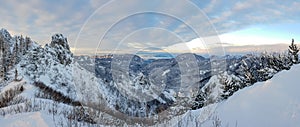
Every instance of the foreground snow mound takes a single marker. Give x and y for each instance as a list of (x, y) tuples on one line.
[(32, 119), (274, 103)]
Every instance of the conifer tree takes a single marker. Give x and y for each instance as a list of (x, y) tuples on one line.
[(27, 42), (1, 47), (5, 62), (21, 44), (293, 51), (16, 74), (17, 52)]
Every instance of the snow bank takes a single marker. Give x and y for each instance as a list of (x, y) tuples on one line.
[(32, 119), (274, 103)]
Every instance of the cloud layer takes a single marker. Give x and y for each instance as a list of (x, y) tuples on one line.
[(137, 24)]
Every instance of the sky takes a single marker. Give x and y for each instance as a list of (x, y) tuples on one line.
[(130, 26)]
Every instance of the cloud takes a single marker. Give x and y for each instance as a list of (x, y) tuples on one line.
[(40, 19), (187, 19), (246, 49), (115, 22), (235, 15)]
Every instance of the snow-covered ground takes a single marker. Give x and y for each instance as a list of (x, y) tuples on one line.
[(274, 103), (32, 119)]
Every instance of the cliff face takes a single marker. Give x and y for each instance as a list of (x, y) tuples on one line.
[(61, 49), (59, 40)]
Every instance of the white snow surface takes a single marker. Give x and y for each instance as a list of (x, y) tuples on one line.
[(31, 119), (274, 103)]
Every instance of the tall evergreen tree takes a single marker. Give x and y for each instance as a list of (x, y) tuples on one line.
[(16, 74), (1, 53), (21, 43), (293, 51), (27, 42), (15, 51), (5, 62)]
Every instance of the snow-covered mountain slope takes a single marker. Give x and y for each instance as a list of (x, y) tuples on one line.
[(273, 103), (44, 80)]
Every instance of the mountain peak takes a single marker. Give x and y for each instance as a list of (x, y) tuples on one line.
[(59, 39), (5, 34)]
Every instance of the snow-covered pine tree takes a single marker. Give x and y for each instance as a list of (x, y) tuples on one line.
[(16, 74), (228, 86), (287, 62), (18, 57), (27, 42), (1, 48), (5, 60), (293, 51), (21, 44), (15, 57)]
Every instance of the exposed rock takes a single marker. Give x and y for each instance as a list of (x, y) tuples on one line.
[(61, 49), (59, 39)]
